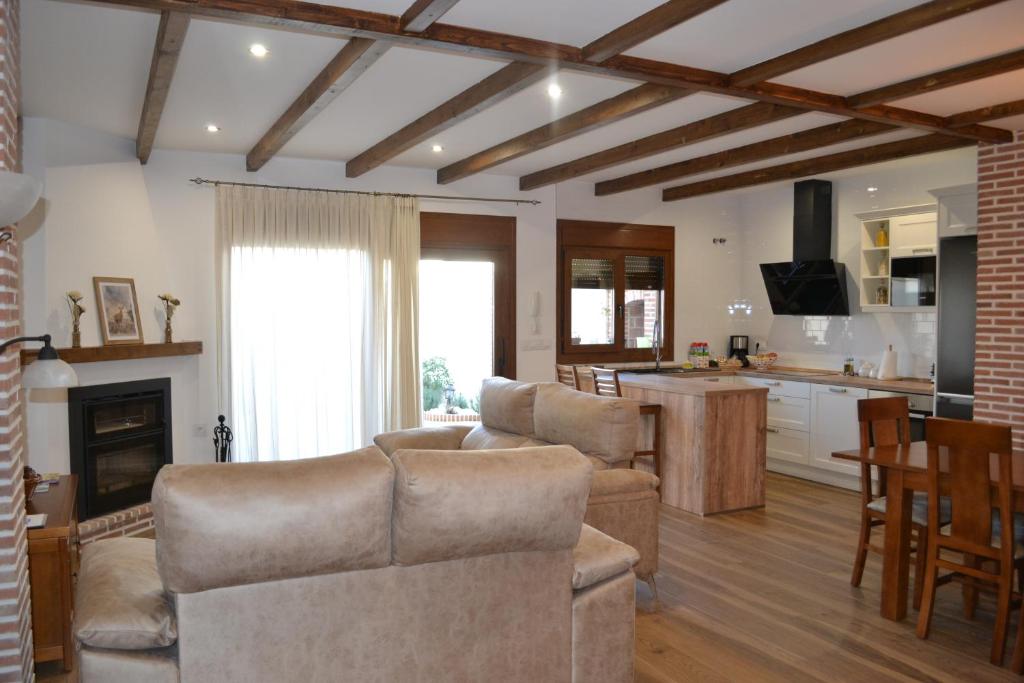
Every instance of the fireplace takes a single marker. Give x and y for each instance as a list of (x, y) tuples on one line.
[(120, 437)]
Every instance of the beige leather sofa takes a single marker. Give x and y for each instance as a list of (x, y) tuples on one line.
[(623, 503), (425, 566)]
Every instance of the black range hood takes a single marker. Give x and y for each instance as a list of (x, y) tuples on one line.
[(812, 283)]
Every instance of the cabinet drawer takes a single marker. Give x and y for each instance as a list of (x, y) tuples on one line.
[(781, 387), (789, 413), (788, 445)]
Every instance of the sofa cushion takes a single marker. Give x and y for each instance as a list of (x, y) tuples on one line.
[(121, 603), (446, 438), (596, 425), (483, 437), (598, 556), (507, 405), (456, 504), (236, 523)]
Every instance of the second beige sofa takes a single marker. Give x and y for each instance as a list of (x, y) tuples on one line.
[(623, 503)]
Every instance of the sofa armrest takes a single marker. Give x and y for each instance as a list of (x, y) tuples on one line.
[(616, 482), (120, 600), (446, 438), (597, 557)]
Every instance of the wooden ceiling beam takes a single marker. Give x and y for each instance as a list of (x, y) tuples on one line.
[(802, 141), (990, 113), (639, 99), (924, 144), (351, 62), (170, 36), (885, 28), (423, 13), (731, 121), (496, 87), (646, 26), (964, 73), (341, 21)]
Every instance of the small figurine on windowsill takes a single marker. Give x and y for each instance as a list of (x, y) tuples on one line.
[(77, 309), (171, 302)]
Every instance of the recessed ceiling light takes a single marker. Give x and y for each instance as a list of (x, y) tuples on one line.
[(437, 149), (212, 128), (872, 188), (258, 50), (554, 91)]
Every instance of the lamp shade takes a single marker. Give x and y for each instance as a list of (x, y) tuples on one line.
[(18, 194), (48, 374)]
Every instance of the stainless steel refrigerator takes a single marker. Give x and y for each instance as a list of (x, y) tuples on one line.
[(954, 372)]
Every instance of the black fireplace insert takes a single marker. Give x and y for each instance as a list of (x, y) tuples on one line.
[(120, 437)]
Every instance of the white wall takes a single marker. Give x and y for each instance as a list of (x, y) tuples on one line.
[(824, 342), (104, 214)]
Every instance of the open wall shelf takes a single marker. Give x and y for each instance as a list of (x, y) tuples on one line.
[(96, 354)]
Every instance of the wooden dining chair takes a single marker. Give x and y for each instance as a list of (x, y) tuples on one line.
[(568, 375), (606, 383), (886, 422), (980, 537)]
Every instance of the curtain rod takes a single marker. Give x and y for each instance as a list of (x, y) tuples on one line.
[(206, 181)]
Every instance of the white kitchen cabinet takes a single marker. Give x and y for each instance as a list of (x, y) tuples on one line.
[(789, 413), (958, 210), (834, 426), (913, 235), (778, 387), (788, 445)]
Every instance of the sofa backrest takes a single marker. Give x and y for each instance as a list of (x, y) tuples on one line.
[(603, 427), (507, 405), (231, 524), (458, 504)]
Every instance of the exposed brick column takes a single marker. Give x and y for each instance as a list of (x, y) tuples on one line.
[(15, 611), (999, 369)]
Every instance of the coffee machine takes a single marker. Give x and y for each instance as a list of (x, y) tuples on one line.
[(739, 346)]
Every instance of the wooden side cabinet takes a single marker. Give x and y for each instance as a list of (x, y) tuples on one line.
[(52, 564)]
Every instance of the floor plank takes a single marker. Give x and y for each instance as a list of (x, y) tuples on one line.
[(765, 595)]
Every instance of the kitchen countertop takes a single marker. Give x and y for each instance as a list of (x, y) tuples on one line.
[(907, 385), (691, 384)]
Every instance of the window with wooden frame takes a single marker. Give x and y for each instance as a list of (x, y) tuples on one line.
[(615, 294)]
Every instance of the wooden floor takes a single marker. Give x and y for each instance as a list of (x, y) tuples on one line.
[(765, 595)]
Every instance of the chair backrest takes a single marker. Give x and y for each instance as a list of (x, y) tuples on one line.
[(883, 422), (606, 382), (965, 450), (567, 375)]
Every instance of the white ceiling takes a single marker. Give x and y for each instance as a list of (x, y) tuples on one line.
[(88, 64)]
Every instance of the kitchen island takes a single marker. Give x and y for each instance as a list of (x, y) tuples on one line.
[(713, 441)]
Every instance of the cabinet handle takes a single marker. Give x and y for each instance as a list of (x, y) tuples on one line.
[(774, 399), (712, 380), (837, 390), (923, 250), (772, 430), (772, 384)]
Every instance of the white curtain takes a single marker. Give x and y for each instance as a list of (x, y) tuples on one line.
[(318, 309)]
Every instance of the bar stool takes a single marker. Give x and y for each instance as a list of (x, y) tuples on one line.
[(606, 383)]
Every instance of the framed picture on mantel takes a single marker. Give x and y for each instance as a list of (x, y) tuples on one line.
[(118, 310)]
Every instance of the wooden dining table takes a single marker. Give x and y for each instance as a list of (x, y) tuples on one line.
[(907, 473)]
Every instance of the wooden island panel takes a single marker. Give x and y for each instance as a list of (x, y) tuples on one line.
[(713, 442)]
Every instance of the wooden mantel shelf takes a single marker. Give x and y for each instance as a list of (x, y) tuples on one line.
[(95, 354)]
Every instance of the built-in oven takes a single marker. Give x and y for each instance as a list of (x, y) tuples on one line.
[(921, 408), (913, 280)]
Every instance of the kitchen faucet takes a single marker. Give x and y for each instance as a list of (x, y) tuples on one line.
[(656, 345)]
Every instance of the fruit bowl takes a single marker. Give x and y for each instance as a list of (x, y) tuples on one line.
[(764, 361)]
